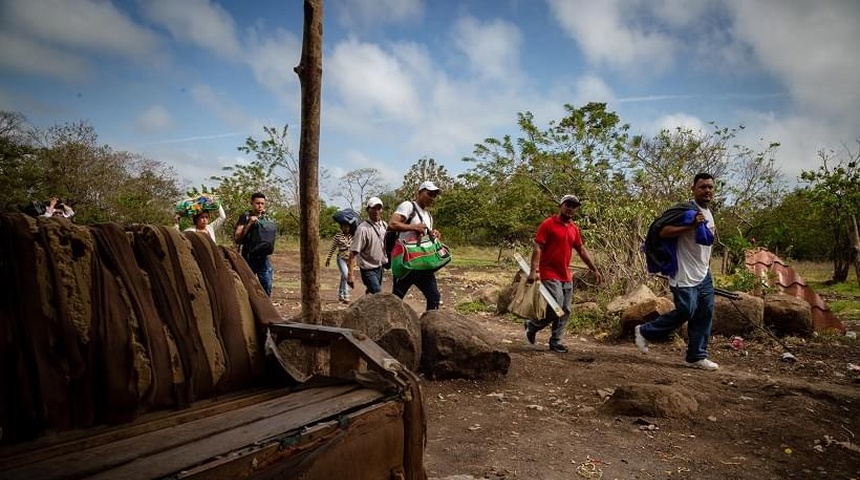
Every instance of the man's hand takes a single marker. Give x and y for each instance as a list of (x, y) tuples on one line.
[(533, 277), (327, 261), (598, 277), (350, 280)]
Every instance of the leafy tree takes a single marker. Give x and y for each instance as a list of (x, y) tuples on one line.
[(834, 191), (748, 181), (68, 162), (424, 169), (20, 175), (356, 186), (274, 171)]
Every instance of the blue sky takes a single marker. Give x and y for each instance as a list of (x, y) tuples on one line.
[(185, 81)]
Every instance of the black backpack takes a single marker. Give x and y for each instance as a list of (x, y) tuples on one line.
[(260, 241), (391, 238)]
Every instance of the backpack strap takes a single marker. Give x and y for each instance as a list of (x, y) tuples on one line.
[(412, 215)]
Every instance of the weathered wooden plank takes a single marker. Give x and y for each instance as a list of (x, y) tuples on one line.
[(138, 456), (371, 438), (53, 446), (174, 460)]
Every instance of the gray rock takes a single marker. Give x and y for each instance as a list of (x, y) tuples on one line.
[(661, 401), (455, 347)]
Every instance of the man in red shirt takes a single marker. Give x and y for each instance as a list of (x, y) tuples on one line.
[(556, 237)]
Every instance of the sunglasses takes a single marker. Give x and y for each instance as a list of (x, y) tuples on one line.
[(434, 193)]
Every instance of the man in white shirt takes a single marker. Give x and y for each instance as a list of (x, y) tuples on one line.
[(413, 220), (691, 234)]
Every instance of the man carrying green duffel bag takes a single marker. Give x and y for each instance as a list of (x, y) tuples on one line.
[(419, 251)]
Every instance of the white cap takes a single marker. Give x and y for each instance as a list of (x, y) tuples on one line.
[(570, 198), (428, 185), (373, 201)]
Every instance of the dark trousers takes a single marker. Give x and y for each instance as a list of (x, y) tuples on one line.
[(263, 268), (372, 279), (425, 281)]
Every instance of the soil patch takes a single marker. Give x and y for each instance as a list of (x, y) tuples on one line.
[(756, 418)]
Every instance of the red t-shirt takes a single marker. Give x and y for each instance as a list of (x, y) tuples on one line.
[(556, 240)]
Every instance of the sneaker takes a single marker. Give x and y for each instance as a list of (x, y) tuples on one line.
[(641, 343), (530, 334), (558, 348), (703, 364)]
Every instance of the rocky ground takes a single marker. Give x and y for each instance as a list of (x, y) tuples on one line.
[(554, 416)]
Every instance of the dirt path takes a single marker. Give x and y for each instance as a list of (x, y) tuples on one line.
[(757, 417)]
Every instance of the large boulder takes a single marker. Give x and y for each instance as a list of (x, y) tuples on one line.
[(644, 310), (389, 322), (646, 400), (619, 304), (455, 347), (787, 315), (383, 317), (737, 317)]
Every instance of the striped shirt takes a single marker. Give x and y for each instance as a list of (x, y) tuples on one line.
[(340, 242)]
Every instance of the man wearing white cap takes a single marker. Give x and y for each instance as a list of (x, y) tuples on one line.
[(368, 245), (413, 220), (554, 241)]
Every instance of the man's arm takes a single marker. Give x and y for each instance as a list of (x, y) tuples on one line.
[(398, 224), (674, 231), (242, 227), (586, 258)]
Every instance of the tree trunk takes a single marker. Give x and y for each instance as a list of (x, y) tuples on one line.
[(855, 247), (309, 71)]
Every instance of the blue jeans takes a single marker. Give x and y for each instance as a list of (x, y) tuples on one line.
[(372, 279), (263, 268), (343, 288), (425, 281), (694, 305), (562, 293)]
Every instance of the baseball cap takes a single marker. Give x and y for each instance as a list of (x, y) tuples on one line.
[(570, 198), (373, 201), (428, 185)]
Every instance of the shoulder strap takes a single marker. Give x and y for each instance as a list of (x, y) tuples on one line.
[(414, 211)]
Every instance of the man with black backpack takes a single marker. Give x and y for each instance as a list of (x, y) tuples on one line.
[(412, 220), (255, 234)]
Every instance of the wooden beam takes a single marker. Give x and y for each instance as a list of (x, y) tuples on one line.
[(309, 71)]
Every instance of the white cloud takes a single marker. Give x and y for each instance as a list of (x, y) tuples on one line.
[(591, 88), (23, 55), (800, 138), (200, 22), (492, 47), (373, 84), (678, 120), (607, 35), (54, 37), (272, 59), (373, 13), (808, 48), (87, 24), (154, 119), (219, 104)]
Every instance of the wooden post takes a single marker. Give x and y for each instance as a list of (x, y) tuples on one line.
[(309, 71), (855, 246)]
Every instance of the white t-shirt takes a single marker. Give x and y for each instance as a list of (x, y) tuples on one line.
[(214, 225), (405, 209), (694, 260)]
